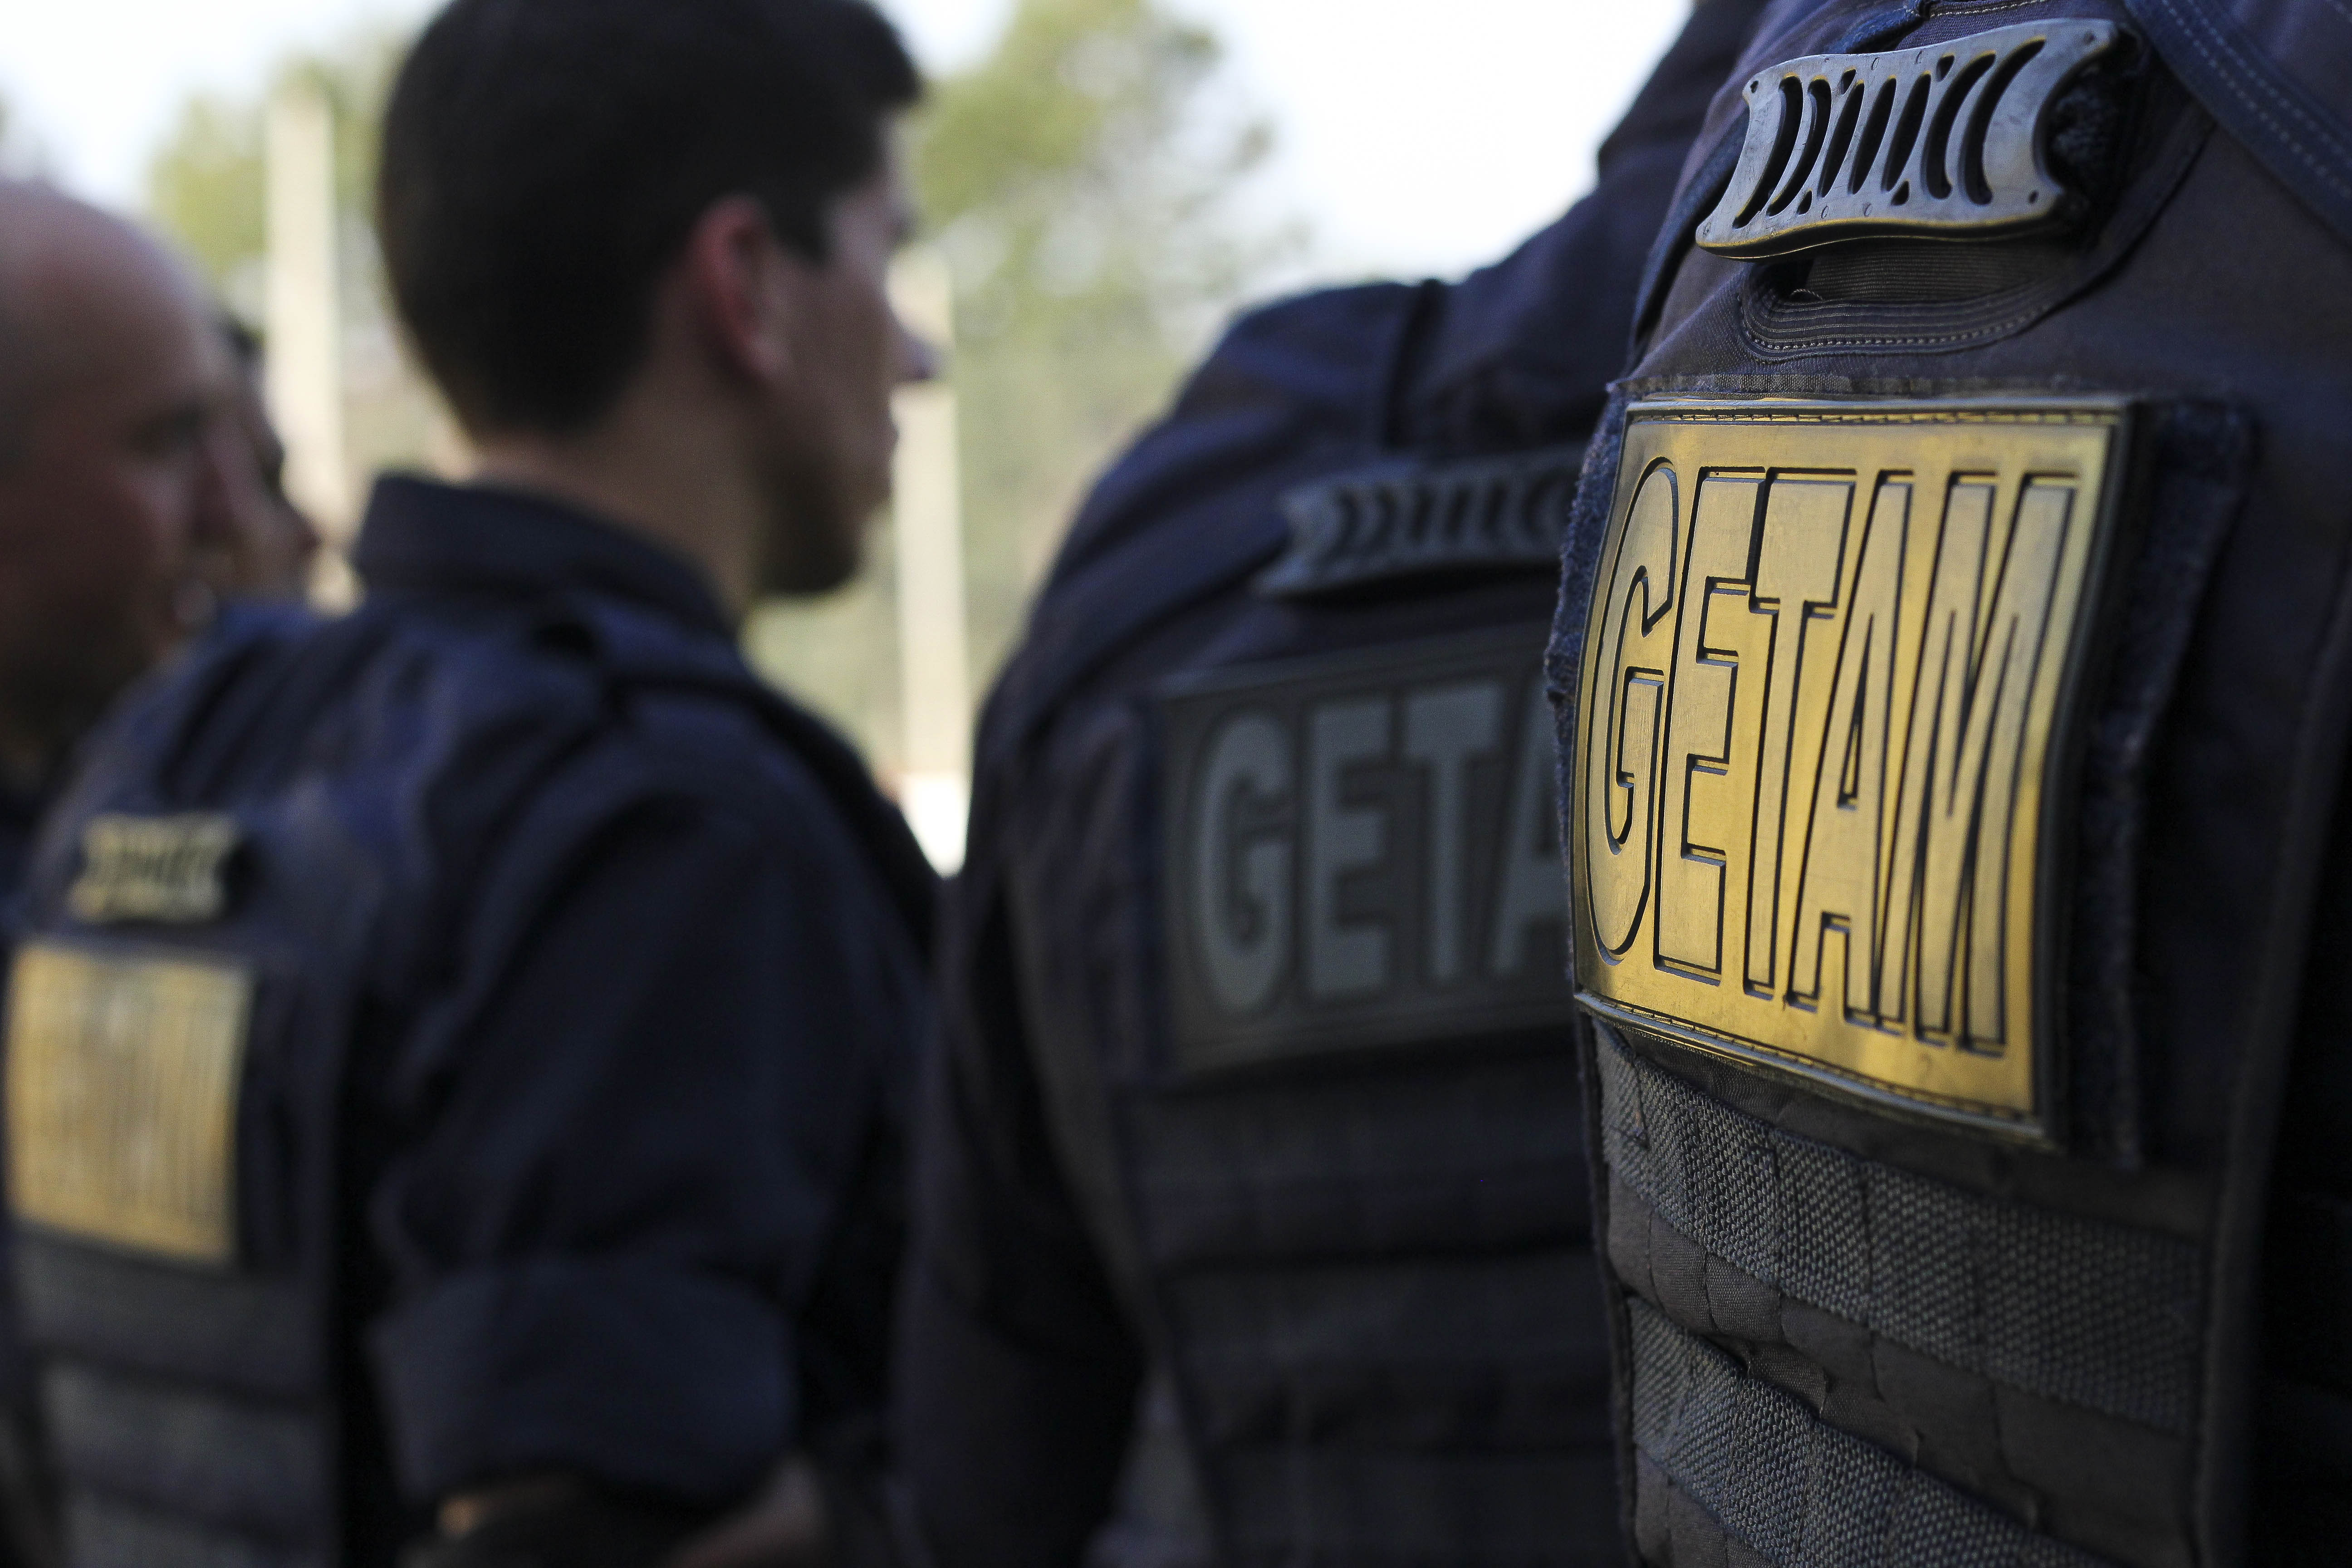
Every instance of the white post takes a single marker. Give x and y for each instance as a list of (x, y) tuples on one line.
[(935, 786), (304, 325)]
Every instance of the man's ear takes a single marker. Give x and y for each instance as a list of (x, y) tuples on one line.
[(745, 289)]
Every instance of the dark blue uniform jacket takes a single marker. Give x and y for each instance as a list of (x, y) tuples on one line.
[(640, 1002), (1021, 1360)]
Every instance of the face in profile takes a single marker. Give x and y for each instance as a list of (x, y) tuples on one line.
[(272, 543), (833, 433), (119, 475)]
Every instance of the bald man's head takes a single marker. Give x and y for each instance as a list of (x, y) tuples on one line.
[(21, 349), (115, 461)]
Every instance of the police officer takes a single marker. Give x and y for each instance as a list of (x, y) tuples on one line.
[(1252, 1156), (455, 1071), (1952, 689), (113, 477), (117, 480)]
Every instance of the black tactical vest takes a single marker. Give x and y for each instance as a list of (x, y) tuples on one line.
[(1264, 805), (1334, 1164), (1951, 678), (178, 1022), (205, 955)]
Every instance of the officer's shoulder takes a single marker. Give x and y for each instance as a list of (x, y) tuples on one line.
[(1310, 350), (439, 700), (679, 713), (1283, 374)]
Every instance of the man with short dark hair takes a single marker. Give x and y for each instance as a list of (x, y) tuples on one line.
[(537, 989)]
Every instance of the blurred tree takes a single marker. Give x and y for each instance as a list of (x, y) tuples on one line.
[(207, 187), (205, 183), (1082, 181)]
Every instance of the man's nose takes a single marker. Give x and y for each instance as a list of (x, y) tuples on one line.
[(225, 492)]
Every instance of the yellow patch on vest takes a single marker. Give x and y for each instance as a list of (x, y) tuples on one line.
[(1831, 653), (122, 1080)]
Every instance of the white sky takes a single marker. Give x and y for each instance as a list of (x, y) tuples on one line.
[(1413, 136)]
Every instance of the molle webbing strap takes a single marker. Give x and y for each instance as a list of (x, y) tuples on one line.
[(247, 1468), (1325, 1506), (104, 1533), (254, 1335), (183, 1408), (1384, 1353), (2089, 1314), (1793, 1489), (1376, 1166), (1356, 529)]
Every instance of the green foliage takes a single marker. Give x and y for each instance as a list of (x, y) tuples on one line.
[(1080, 181), (207, 186)]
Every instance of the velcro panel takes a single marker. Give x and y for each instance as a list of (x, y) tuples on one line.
[(255, 1335), (1294, 1508), (1784, 1484), (237, 1467), (1499, 1352), (1440, 1158), (2083, 1312), (101, 1532)]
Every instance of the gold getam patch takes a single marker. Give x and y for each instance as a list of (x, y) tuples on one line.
[(1825, 676), (123, 1088)]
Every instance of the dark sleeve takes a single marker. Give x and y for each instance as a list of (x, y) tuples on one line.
[(619, 1147), (1524, 350), (1017, 1373)]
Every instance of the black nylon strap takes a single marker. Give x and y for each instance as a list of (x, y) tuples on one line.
[(1373, 1166), (1506, 1351), (1355, 529), (248, 1334), (103, 1532), (1379, 1506), (2089, 1314), (239, 1466), (1793, 1489)]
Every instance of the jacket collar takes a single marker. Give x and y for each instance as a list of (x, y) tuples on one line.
[(422, 536)]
